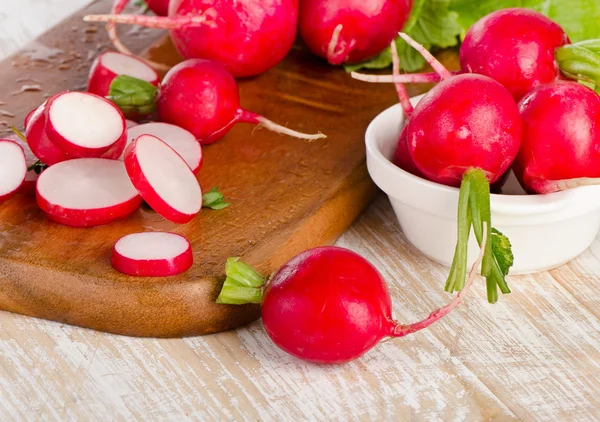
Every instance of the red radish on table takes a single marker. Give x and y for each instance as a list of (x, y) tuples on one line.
[(182, 141), (163, 179), (152, 254), (202, 97), (160, 7), (83, 124), (327, 305), (13, 168), (351, 31), (258, 33), (39, 142), (561, 138), (87, 192)]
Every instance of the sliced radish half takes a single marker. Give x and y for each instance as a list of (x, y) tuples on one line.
[(28, 117), (87, 192), (152, 254), (182, 141), (163, 179), (13, 168), (41, 146), (30, 159), (83, 124), (108, 66)]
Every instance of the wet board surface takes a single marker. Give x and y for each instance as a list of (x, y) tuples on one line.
[(287, 195)]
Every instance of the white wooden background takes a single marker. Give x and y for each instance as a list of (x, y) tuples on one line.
[(533, 356)]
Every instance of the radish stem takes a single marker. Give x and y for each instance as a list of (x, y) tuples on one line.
[(433, 62), (160, 22), (409, 78), (400, 89), (402, 330), (249, 117)]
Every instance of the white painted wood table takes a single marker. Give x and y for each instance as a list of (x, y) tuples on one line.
[(533, 356)]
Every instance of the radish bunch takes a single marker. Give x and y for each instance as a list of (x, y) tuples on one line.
[(327, 305)]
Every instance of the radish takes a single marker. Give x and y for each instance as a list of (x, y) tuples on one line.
[(202, 97), (182, 141), (13, 168), (520, 48), (83, 124), (39, 142), (350, 31), (160, 7), (152, 254), (163, 179), (248, 37), (327, 305), (87, 192), (107, 67), (130, 123), (561, 138), (34, 166)]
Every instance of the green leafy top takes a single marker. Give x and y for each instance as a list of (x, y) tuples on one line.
[(441, 23)]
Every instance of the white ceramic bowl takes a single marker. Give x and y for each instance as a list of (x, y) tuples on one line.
[(545, 230)]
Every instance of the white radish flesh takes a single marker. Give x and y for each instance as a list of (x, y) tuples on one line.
[(83, 124), (13, 168), (30, 159), (87, 192), (163, 179), (152, 254), (182, 141), (130, 123)]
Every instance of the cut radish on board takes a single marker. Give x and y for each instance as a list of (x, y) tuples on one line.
[(182, 141), (13, 168), (87, 192), (152, 254), (37, 139), (108, 66), (163, 179), (34, 167), (83, 124)]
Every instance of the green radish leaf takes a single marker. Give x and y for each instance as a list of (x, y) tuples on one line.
[(133, 95), (214, 200), (243, 284), (502, 251)]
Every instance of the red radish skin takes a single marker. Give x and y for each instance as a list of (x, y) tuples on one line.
[(182, 141), (163, 179), (402, 156), (109, 65), (152, 254), (514, 47), (350, 31), (329, 305), (465, 121), (13, 168), (39, 142), (259, 33), (561, 138), (203, 98), (83, 124), (87, 192), (159, 7), (28, 117)]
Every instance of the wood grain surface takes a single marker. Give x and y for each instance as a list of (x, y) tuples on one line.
[(535, 356)]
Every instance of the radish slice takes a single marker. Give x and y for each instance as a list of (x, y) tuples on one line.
[(152, 254), (30, 159), (182, 141), (13, 168), (28, 117), (87, 192), (83, 124), (108, 66), (130, 123), (163, 179), (41, 146)]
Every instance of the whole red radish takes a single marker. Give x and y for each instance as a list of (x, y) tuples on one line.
[(561, 138), (202, 97), (515, 47), (327, 305), (13, 168), (160, 7), (247, 36), (350, 31), (152, 254)]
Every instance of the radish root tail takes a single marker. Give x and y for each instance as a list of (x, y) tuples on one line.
[(402, 330), (403, 97), (409, 78), (277, 128), (433, 62)]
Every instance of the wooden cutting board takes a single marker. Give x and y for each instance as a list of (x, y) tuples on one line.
[(287, 195)]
